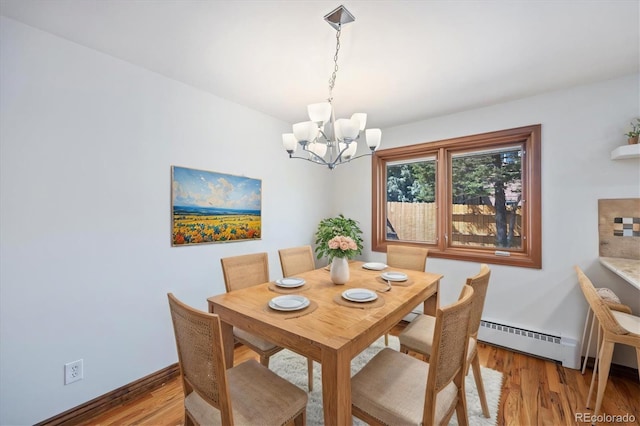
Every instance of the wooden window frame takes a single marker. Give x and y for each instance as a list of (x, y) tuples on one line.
[(528, 256)]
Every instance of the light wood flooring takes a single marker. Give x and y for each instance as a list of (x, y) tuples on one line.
[(534, 392)]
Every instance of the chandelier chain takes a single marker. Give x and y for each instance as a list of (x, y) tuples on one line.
[(332, 80)]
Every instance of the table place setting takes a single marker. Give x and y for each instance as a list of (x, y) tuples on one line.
[(359, 295), (290, 306), (395, 278), (289, 303), (291, 282), (374, 266), (288, 285), (361, 298)]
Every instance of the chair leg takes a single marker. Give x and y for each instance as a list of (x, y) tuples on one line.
[(404, 349), (603, 376), (475, 365), (310, 374), (461, 409), (595, 368), (264, 360), (301, 419), (386, 339), (586, 353), (584, 330), (188, 421)]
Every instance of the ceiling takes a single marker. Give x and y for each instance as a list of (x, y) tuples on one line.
[(400, 61)]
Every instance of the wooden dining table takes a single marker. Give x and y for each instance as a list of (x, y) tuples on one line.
[(331, 330)]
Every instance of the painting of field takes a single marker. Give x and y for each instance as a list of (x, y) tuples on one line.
[(210, 207)]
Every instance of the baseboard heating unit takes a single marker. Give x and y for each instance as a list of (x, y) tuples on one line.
[(563, 349)]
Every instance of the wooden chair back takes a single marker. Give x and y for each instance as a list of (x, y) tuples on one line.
[(480, 284), (201, 355), (245, 270), (449, 352), (599, 306), (296, 260), (407, 257)]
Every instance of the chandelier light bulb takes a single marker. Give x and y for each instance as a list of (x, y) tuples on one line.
[(320, 112), (305, 131), (373, 138), (347, 129), (361, 118), (319, 149), (289, 142), (351, 149)]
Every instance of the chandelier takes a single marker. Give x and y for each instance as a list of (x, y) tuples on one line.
[(325, 140)]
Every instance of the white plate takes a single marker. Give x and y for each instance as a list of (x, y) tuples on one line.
[(291, 282), (394, 276), (374, 266), (290, 302), (359, 295)]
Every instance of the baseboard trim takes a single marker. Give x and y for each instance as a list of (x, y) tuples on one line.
[(101, 404)]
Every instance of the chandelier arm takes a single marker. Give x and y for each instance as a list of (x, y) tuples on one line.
[(359, 156), (324, 136), (333, 164), (338, 159), (309, 160), (320, 159), (306, 159)]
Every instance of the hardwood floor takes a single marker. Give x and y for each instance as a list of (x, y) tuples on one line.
[(534, 392)]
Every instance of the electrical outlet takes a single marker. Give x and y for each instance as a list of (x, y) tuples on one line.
[(72, 372)]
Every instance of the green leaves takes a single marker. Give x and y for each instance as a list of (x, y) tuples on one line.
[(332, 227), (635, 129), (412, 182)]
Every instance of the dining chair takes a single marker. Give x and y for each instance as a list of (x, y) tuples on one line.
[(296, 260), (613, 301), (406, 257), (248, 393), (419, 335), (390, 389), (246, 271), (614, 327)]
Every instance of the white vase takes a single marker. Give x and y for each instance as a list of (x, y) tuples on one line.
[(339, 271)]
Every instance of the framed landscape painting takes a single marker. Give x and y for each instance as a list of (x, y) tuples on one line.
[(210, 207)]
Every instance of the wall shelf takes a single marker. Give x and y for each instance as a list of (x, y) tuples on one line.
[(626, 151)]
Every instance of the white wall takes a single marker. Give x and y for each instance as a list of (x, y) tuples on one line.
[(87, 142), (86, 145), (580, 127)]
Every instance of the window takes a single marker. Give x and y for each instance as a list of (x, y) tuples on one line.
[(474, 198)]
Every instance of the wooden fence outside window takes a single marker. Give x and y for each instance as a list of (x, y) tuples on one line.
[(473, 225)]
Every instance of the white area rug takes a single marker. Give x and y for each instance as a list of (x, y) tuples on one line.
[(293, 367)]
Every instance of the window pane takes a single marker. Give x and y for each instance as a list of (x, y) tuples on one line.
[(411, 200), (486, 208)]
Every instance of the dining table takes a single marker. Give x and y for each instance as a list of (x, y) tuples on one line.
[(330, 329)]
